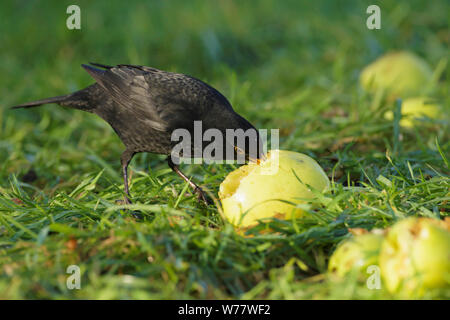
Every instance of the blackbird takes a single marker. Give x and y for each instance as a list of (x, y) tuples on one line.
[(145, 105)]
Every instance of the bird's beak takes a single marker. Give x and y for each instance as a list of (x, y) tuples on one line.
[(251, 159), (262, 158)]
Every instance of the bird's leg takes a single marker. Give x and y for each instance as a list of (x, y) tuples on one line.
[(125, 159), (197, 189)]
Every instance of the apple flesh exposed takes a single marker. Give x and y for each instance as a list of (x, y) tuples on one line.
[(356, 254), (414, 108), (415, 257), (400, 74), (262, 190)]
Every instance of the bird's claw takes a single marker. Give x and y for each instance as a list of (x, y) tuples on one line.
[(125, 201), (201, 196)]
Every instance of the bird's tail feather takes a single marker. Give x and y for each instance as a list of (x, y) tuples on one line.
[(37, 103), (78, 100), (81, 100)]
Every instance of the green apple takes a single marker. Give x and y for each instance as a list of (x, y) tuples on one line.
[(270, 188), (400, 74), (415, 257), (356, 254), (415, 108)]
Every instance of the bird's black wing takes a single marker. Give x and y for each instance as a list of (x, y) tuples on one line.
[(163, 100)]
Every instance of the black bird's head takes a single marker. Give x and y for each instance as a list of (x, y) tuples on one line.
[(241, 137), (247, 141)]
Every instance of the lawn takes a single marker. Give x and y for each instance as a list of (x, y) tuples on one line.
[(289, 65)]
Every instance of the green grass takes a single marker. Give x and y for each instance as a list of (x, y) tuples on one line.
[(292, 65)]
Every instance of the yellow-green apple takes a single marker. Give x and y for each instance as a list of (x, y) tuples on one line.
[(415, 257), (356, 254), (271, 188), (400, 74), (415, 108)]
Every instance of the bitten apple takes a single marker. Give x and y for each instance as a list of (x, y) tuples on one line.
[(271, 188), (415, 257)]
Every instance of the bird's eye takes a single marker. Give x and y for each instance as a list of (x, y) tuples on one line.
[(239, 150)]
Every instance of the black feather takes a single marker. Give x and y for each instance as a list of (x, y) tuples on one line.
[(101, 65), (38, 103)]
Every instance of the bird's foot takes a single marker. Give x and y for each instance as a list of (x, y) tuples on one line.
[(201, 195), (125, 201)]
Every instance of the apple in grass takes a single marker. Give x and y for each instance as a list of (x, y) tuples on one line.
[(415, 257), (414, 109), (356, 254), (271, 188), (401, 74)]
